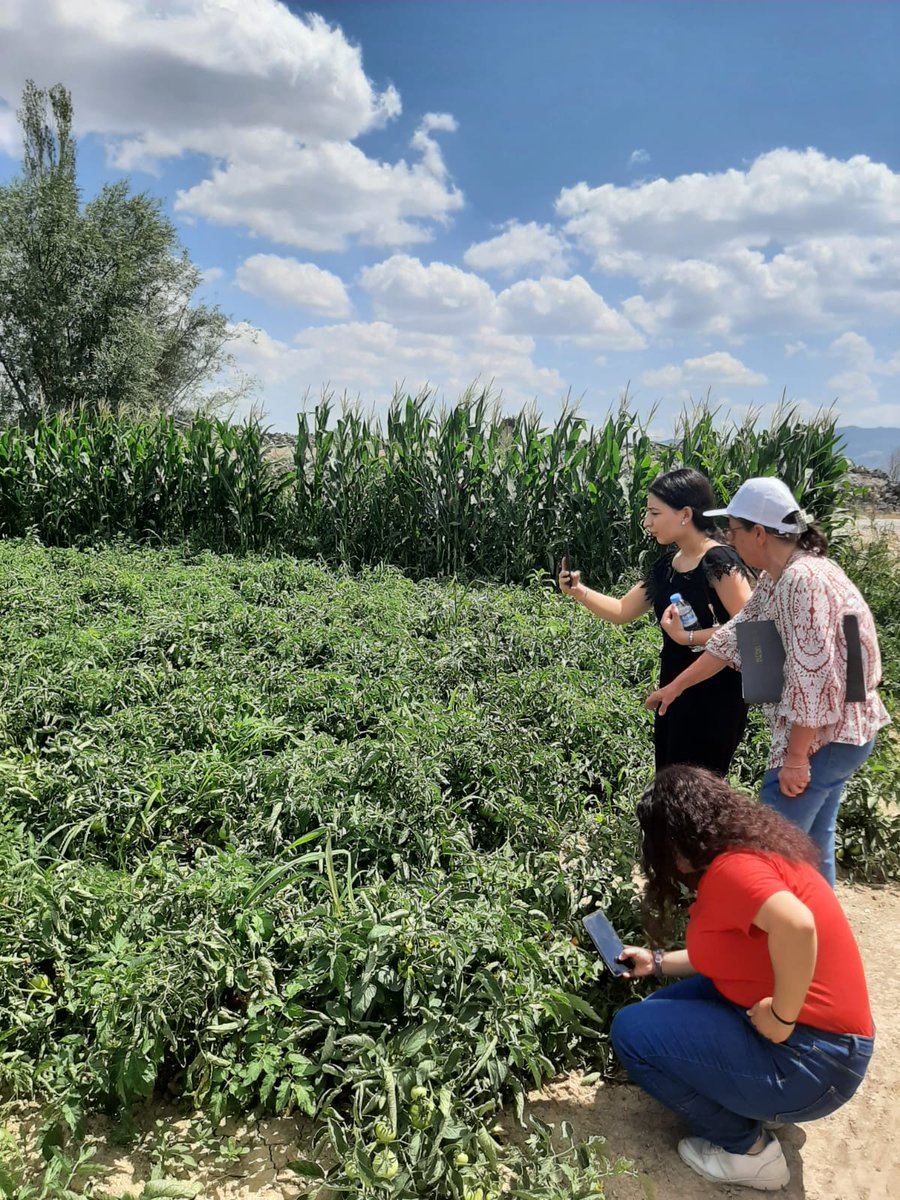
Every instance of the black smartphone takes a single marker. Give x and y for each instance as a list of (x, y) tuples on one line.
[(608, 943), (570, 565)]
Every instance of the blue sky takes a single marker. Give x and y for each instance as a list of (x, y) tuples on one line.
[(549, 197)]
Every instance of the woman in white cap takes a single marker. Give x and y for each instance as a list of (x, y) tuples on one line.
[(819, 737)]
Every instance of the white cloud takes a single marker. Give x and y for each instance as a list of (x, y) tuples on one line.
[(275, 99), (859, 352), (566, 308), (213, 274), (319, 197), (10, 134), (638, 158), (437, 297), (370, 359), (189, 73), (296, 284), (517, 248), (719, 368), (856, 385), (797, 242), (793, 348), (424, 143), (445, 299)]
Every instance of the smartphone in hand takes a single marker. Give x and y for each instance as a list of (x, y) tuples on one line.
[(570, 565), (608, 943)]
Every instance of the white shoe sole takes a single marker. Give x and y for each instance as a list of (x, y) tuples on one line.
[(759, 1185)]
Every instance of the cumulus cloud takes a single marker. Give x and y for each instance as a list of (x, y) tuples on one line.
[(859, 352), (444, 298), (518, 248), (763, 250), (318, 197), (296, 284), (857, 383), (10, 134), (566, 308), (369, 360), (274, 98), (717, 369), (189, 74), (439, 296)]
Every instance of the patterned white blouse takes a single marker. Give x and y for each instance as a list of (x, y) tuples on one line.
[(807, 604)]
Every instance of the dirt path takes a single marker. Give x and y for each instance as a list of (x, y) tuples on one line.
[(852, 1155)]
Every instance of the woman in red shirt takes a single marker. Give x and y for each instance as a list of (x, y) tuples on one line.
[(770, 1021)]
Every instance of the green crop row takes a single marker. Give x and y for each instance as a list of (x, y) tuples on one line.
[(276, 835), (462, 492)]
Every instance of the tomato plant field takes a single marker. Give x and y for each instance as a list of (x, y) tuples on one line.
[(277, 837)]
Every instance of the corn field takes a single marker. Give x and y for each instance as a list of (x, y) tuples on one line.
[(462, 491)]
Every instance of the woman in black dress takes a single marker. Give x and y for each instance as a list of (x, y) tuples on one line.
[(712, 579)]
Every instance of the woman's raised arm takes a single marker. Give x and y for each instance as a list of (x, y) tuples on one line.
[(617, 610)]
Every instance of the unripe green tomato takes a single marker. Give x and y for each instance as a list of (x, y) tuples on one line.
[(418, 1093), (462, 1158), (351, 1170), (421, 1114), (385, 1164), (473, 1194), (384, 1132)]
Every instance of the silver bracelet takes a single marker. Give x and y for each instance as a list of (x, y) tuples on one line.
[(658, 956)]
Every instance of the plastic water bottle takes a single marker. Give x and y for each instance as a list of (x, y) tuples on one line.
[(688, 616)]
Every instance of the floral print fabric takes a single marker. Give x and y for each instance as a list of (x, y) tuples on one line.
[(808, 603)]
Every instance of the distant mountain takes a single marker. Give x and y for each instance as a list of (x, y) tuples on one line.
[(870, 447)]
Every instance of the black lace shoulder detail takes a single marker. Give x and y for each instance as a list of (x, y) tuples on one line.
[(659, 571), (725, 560)]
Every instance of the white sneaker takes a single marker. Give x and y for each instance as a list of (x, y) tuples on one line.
[(766, 1171)]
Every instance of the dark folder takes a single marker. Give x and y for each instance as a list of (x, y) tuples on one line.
[(856, 677), (762, 661)]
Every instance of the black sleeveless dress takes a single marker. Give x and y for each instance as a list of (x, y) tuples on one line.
[(705, 724)]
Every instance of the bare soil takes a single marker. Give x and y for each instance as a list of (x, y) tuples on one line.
[(852, 1155)]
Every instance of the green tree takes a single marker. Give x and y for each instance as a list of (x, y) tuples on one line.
[(97, 304)]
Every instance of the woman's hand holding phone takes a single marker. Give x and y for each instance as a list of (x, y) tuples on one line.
[(642, 962), (568, 580)]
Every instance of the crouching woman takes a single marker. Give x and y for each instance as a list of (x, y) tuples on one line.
[(770, 1019)]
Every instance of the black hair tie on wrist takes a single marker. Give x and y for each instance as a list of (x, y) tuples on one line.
[(780, 1019)]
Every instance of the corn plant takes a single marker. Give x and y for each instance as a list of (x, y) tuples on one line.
[(461, 492)]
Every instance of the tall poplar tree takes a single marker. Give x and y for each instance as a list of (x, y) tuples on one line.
[(97, 306)]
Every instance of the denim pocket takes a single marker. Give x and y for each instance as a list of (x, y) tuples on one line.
[(827, 1103)]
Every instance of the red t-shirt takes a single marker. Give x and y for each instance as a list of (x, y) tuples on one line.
[(724, 945)]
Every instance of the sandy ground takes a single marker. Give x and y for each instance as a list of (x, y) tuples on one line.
[(876, 524), (852, 1155)]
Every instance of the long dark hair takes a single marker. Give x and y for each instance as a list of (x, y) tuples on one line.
[(692, 813), (684, 487), (811, 538)]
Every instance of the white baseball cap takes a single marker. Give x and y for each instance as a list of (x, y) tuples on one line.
[(764, 501)]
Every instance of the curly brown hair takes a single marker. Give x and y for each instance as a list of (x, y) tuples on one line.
[(689, 812)]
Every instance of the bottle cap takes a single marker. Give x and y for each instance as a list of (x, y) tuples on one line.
[(675, 598)]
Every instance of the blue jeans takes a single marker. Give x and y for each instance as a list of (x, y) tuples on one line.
[(699, 1055), (816, 809)]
